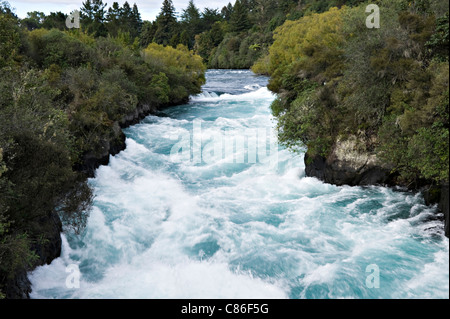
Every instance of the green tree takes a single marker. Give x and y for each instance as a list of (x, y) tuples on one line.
[(207, 42), (209, 18), (113, 19), (63, 98), (191, 24), (264, 11), (239, 20), (166, 24), (55, 20), (33, 20), (136, 21), (438, 44), (38, 181), (227, 11), (336, 79), (130, 20), (93, 17), (9, 36), (147, 33)]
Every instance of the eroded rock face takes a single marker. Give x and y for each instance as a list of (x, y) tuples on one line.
[(349, 163), (19, 287), (115, 143), (93, 160), (444, 206)]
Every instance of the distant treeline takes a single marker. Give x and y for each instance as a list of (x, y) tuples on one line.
[(233, 36)]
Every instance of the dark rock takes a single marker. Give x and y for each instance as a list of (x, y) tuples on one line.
[(19, 287), (316, 167), (338, 172), (431, 194), (443, 206), (93, 160), (135, 117), (438, 194), (47, 249)]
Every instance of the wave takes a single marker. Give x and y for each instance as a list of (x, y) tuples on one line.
[(205, 96), (252, 87), (261, 93), (229, 71)]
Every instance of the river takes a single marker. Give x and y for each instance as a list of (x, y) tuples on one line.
[(203, 203)]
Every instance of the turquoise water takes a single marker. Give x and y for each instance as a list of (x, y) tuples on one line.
[(203, 203)]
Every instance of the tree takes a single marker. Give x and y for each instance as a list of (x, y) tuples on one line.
[(93, 17), (113, 19), (33, 20), (191, 14), (136, 21), (264, 11), (209, 17), (125, 20), (239, 20), (9, 36), (55, 20), (227, 11), (438, 45), (63, 97), (147, 33), (5, 8), (126, 17), (191, 21), (130, 20), (166, 24)]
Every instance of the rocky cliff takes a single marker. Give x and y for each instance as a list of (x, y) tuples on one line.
[(90, 161), (116, 142), (349, 163)]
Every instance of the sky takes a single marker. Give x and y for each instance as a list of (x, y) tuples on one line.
[(149, 9)]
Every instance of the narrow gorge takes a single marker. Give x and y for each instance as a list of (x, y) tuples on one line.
[(167, 226)]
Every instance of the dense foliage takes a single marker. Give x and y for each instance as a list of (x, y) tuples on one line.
[(234, 36), (64, 94), (336, 78)]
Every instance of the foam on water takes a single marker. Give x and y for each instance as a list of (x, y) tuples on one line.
[(167, 227), (255, 94)]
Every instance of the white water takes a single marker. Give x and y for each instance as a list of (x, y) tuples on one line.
[(168, 227)]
